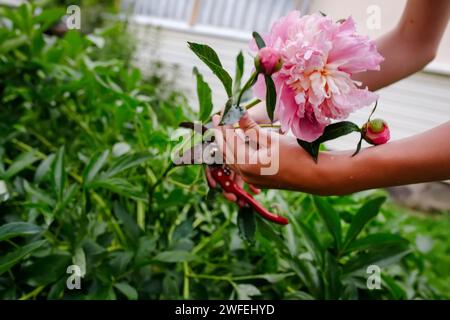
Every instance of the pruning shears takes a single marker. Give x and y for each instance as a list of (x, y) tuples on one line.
[(221, 172)]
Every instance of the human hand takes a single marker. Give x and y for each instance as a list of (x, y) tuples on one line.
[(265, 158)]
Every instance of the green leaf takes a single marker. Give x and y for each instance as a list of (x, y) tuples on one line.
[(126, 162), (11, 44), (120, 186), (331, 132), (338, 129), (38, 194), (47, 269), (174, 256), (94, 165), (204, 97), (311, 241), (49, 17), (246, 224), (381, 257), (131, 227), (259, 40), (333, 272), (271, 97), (59, 175), (12, 258), (311, 147), (396, 291), (22, 161), (127, 290), (330, 217), (43, 168), (211, 59), (367, 212), (358, 146), (239, 72), (273, 278), (79, 259), (376, 240), (16, 229), (245, 291)]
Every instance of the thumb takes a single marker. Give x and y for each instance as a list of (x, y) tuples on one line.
[(252, 130)]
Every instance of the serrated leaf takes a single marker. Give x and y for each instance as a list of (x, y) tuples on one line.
[(204, 96), (246, 224), (271, 97), (367, 212), (16, 229), (330, 217), (211, 59), (14, 257), (259, 40)]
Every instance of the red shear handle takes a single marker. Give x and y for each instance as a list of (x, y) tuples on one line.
[(222, 175), (259, 208)]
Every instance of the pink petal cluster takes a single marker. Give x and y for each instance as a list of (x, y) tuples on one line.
[(314, 85)]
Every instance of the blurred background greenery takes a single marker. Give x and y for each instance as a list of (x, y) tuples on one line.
[(85, 179)]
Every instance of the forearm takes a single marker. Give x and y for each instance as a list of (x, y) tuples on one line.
[(411, 45), (421, 158)]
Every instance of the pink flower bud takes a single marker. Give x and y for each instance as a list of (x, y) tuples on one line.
[(376, 132), (268, 61)]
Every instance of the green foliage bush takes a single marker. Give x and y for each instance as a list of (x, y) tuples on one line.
[(85, 179)]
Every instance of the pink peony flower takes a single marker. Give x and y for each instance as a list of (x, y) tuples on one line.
[(268, 61), (376, 132), (314, 84)]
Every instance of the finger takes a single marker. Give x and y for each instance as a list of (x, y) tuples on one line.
[(254, 189), (220, 134), (255, 135), (230, 196), (211, 182)]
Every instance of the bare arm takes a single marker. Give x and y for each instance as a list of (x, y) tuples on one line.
[(411, 45), (421, 158)]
